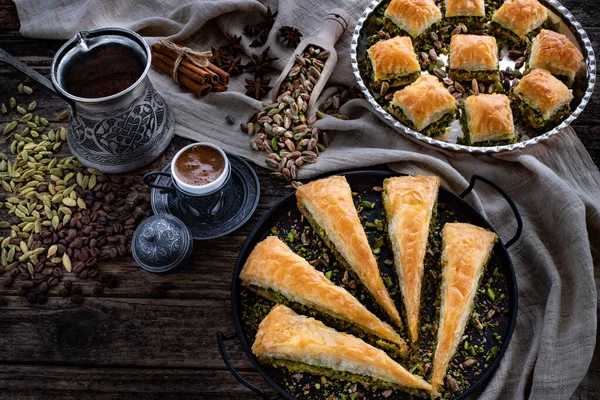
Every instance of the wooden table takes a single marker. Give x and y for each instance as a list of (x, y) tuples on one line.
[(126, 344)]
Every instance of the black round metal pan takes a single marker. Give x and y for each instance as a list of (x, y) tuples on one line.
[(451, 207)]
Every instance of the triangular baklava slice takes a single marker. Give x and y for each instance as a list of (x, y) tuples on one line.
[(409, 203), (303, 344), (466, 250), (274, 271), (328, 206)]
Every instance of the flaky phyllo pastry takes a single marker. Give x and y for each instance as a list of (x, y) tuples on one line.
[(466, 251), (473, 57), (516, 19), (465, 8), (301, 343), (554, 52), (413, 17), (540, 98), (425, 106), (488, 120), (409, 203), (394, 61), (328, 206), (274, 270)]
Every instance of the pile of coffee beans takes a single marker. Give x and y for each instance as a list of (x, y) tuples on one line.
[(60, 216)]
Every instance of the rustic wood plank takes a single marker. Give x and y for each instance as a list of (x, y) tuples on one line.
[(108, 332), (65, 383), (9, 20)]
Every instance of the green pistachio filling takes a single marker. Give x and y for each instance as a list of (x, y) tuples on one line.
[(394, 80), (481, 76), (371, 382), (434, 129), (533, 117), (329, 319), (469, 21), (466, 137)]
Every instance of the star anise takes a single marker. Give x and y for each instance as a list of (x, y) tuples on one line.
[(252, 30), (260, 64), (269, 17), (218, 56), (234, 44), (258, 87), (232, 66), (261, 38), (290, 35)]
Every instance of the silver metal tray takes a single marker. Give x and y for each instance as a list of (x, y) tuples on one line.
[(582, 92)]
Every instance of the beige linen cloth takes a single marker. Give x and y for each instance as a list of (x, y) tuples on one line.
[(555, 184)]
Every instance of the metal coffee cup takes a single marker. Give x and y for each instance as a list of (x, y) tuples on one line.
[(202, 201), (116, 133)]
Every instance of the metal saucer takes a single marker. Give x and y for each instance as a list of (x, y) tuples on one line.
[(239, 204)]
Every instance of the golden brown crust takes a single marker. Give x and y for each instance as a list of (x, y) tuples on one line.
[(409, 202), (393, 56), (273, 265), (521, 16), (285, 335), (329, 203), (425, 101), (413, 16), (489, 117), (543, 92), (465, 8), (466, 251), (554, 52), (473, 53)]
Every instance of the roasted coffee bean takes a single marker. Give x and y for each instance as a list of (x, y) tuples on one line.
[(44, 287), (98, 289), (27, 284), (104, 278), (53, 281), (63, 292), (14, 273), (68, 284), (84, 274), (42, 298), (38, 279), (24, 276), (57, 272), (112, 283), (8, 280), (31, 298), (76, 289), (77, 299)]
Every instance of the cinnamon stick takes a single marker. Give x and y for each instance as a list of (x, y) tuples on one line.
[(195, 87), (223, 76), (194, 75), (211, 76)]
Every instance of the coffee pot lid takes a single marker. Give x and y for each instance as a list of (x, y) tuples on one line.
[(162, 243)]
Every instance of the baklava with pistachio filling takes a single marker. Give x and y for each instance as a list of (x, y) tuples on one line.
[(487, 120), (425, 106), (410, 205), (275, 272), (393, 61), (554, 52), (466, 251), (469, 12), (540, 98), (303, 344), (328, 206), (473, 57), (516, 20), (412, 17)]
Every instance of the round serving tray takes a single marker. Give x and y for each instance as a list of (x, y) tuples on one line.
[(582, 92), (451, 207)]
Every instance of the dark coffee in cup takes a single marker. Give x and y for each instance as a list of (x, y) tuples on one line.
[(199, 165)]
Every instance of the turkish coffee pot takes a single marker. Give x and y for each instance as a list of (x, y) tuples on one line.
[(117, 120)]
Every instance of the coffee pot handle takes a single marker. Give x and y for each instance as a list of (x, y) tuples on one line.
[(150, 175), (33, 74)]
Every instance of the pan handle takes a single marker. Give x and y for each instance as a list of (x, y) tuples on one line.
[(221, 338), (510, 202)]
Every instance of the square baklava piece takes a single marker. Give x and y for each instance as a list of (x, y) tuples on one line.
[(393, 61), (469, 12), (473, 57), (487, 120), (410, 17), (554, 52), (515, 20), (425, 106), (540, 98)]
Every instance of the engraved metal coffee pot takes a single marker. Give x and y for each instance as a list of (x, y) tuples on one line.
[(117, 133)]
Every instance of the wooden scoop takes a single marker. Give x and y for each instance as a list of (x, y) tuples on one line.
[(334, 25)]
